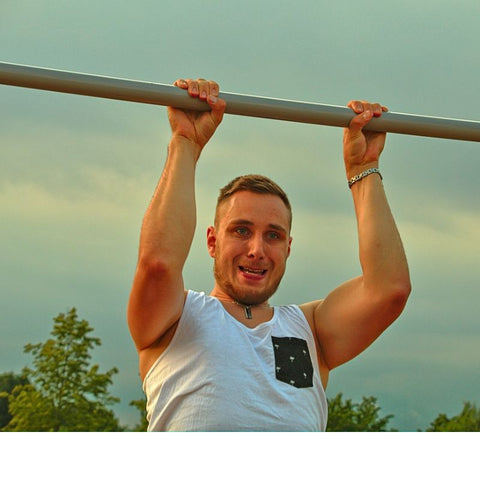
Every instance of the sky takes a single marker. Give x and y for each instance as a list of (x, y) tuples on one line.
[(77, 173)]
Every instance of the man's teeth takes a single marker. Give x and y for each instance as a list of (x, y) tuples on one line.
[(251, 270)]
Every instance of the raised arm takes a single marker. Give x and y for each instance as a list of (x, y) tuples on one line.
[(157, 295), (356, 313)]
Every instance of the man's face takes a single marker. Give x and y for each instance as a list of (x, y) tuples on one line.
[(250, 246)]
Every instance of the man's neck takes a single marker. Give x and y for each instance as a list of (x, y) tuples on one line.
[(246, 313)]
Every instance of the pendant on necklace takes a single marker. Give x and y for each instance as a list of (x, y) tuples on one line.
[(247, 309)]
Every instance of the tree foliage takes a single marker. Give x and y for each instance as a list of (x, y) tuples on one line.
[(468, 420), (65, 392), (347, 416), (140, 405), (8, 381)]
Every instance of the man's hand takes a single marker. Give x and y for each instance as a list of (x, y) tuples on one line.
[(195, 126), (362, 149)]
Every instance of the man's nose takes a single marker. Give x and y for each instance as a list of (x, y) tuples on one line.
[(256, 247)]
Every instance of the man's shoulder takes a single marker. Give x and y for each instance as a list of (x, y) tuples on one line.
[(309, 308), (195, 300)]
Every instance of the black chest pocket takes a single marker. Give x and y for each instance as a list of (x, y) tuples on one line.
[(293, 364)]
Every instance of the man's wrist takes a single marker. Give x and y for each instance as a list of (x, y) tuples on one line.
[(354, 170), (185, 145)]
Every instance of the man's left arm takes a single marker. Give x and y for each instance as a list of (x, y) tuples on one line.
[(353, 315)]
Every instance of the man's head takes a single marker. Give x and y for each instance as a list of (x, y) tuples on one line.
[(250, 241)]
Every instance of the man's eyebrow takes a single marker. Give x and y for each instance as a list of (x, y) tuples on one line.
[(274, 226), (241, 221)]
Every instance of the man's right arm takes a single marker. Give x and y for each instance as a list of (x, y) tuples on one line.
[(157, 295)]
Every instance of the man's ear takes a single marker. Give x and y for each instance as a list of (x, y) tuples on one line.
[(211, 241), (289, 246)]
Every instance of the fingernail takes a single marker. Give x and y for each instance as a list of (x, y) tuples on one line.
[(212, 99)]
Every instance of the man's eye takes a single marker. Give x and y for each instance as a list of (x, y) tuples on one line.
[(273, 235), (242, 230)]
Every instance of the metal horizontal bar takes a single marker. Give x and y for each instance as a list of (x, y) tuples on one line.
[(253, 106)]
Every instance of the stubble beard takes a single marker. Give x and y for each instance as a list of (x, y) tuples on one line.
[(245, 295)]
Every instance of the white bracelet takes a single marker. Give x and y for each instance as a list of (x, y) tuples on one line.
[(364, 174)]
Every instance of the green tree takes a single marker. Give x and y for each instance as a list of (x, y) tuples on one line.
[(8, 381), (140, 405), (65, 393), (468, 420), (346, 416)]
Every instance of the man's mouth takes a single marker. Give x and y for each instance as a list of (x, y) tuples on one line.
[(253, 271)]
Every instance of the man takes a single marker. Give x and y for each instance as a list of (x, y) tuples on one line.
[(228, 360)]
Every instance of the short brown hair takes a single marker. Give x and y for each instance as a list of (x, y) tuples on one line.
[(256, 184)]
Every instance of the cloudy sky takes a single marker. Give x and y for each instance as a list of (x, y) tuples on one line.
[(77, 173)]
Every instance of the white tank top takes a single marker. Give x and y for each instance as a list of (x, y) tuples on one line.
[(219, 375)]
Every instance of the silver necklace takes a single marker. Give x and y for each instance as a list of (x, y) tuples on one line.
[(247, 309)]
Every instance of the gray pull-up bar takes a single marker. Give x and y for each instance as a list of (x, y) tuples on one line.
[(160, 94)]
